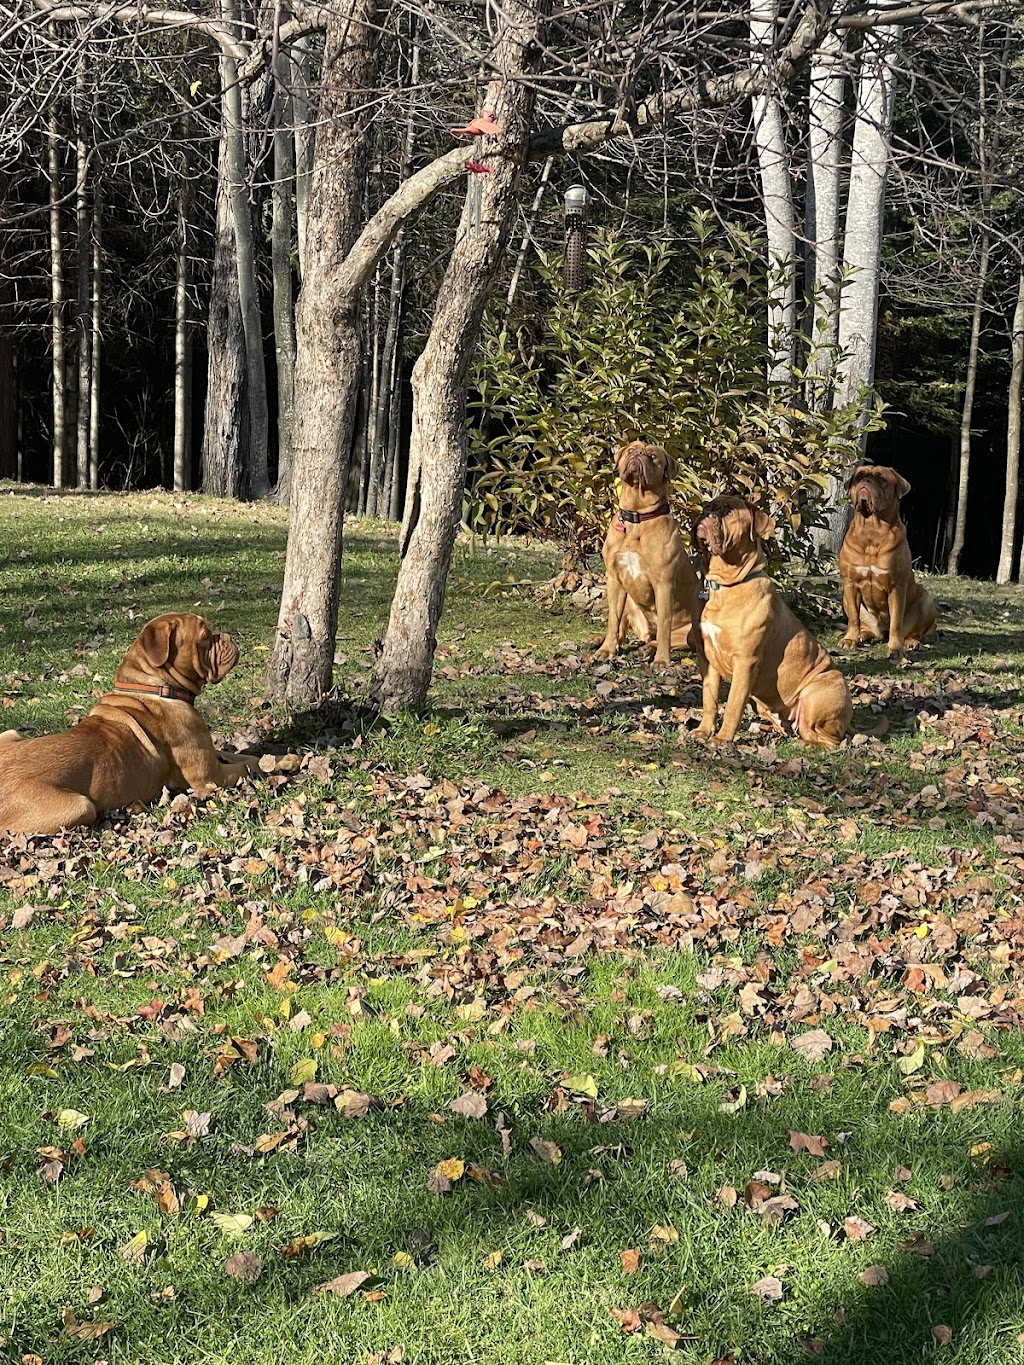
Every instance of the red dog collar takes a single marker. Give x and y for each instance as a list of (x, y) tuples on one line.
[(635, 518)]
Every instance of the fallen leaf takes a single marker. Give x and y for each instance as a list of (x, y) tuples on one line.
[(471, 1105), (769, 1289), (942, 1335), (344, 1285), (812, 1046), (298, 1246), (857, 1229), (630, 1261), (244, 1265), (547, 1151), (232, 1224), (134, 1250), (803, 1142), (874, 1275)]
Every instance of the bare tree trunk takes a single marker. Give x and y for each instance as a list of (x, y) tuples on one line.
[(371, 395), (226, 418), (821, 218), (305, 141), (1004, 573), (96, 345), (57, 299), (234, 452), (281, 262), (327, 367), (862, 247), (9, 405), (257, 475), (777, 195), (379, 467), (392, 507), (182, 473), (439, 451), (83, 301), (967, 411)]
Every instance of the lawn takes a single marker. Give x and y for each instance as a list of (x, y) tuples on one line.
[(524, 1031)]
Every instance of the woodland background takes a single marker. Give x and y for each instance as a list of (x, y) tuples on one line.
[(240, 251)]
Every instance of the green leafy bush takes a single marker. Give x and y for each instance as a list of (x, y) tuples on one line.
[(665, 343)]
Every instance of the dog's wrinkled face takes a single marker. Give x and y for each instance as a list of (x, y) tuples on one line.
[(644, 466), (184, 647), (875, 490), (729, 528)]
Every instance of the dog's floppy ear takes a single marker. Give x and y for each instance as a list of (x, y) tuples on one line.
[(156, 641), (855, 476), (764, 524), (900, 483), (671, 466)]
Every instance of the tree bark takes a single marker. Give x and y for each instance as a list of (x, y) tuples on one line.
[(967, 411), (1004, 574), (57, 305), (439, 449), (182, 472), (821, 218), (305, 141), (226, 417), (327, 364), (862, 248), (83, 330), (281, 262), (777, 197), (236, 423), (96, 345)]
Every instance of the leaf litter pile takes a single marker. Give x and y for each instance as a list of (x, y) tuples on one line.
[(752, 1061)]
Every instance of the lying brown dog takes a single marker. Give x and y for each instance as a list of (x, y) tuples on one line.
[(750, 636), (651, 585), (143, 736), (880, 592)]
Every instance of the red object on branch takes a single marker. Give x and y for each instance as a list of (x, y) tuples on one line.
[(478, 168), (483, 123)]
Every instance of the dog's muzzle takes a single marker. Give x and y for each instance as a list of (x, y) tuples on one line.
[(223, 656)]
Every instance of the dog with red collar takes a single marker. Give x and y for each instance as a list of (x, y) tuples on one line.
[(750, 638), (651, 586), (141, 737)]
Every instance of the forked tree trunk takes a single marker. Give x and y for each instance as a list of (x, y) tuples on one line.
[(8, 373), (862, 245), (439, 449), (777, 197), (327, 368), (1004, 573), (59, 379), (821, 217)]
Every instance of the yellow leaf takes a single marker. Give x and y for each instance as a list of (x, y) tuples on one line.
[(492, 1261), (303, 1071), (134, 1250), (403, 1261), (71, 1119), (668, 1236), (232, 1224), (453, 1169)]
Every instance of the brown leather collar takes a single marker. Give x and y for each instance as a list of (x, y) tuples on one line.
[(157, 690), (635, 518), (713, 586)]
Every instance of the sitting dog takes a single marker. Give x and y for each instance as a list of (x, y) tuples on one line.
[(143, 736), (880, 592), (651, 585), (750, 636)]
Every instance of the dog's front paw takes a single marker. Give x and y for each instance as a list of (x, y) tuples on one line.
[(850, 641), (600, 654)]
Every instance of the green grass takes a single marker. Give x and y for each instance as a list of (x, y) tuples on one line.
[(541, 889)]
